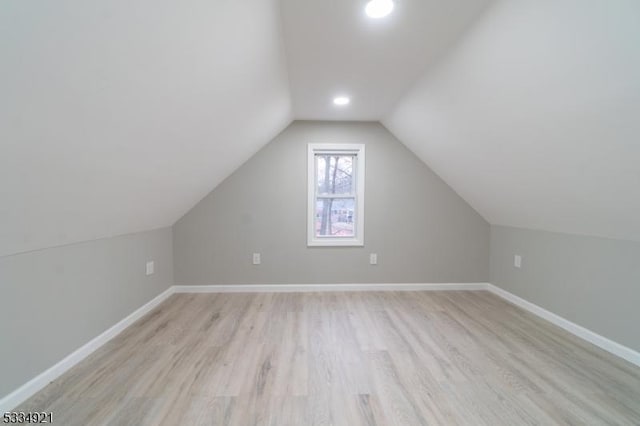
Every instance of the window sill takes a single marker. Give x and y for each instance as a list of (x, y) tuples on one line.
[(343, 242)]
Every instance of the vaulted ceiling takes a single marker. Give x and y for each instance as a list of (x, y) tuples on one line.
[(334, 48), (118, 116), (534, 116)]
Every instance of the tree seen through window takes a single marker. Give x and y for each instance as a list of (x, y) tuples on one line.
[(335, 201)]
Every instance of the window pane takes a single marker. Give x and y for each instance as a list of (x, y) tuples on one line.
[(334, 174), (334, 217)]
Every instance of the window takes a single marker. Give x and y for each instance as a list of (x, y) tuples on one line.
[(336, 195)]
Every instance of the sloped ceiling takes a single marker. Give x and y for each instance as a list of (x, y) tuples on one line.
[(534, 116), (118, 116), (333, 48)]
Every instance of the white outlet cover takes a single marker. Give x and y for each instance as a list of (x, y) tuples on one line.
[(150, 267), (256, 258), (517, 261), (373, 258)]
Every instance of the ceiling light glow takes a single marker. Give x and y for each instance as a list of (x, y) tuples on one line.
[(378, 8), (341, 100)]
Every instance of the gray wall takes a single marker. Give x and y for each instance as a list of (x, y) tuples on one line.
[(56, 300), (421, 229), (594, 282)]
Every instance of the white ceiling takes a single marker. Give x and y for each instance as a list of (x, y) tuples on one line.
[(118, 116), (334, 48), (534, 117)]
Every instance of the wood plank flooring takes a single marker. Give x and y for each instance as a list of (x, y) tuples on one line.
[(361, 358)]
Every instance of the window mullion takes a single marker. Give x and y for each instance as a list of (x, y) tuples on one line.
[(323, 196)]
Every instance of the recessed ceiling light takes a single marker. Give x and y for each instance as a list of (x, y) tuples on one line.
[(341, 100), (378, 8)]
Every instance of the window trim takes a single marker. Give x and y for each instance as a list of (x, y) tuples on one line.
[(330, 148)]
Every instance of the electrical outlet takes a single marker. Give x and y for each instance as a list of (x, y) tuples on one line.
[(517, 261), (256, 258), (150, 267), (373, 258)]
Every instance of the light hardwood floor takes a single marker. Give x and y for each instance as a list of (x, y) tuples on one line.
[(385, 358)]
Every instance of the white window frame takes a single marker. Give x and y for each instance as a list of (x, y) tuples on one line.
[(358, 180)]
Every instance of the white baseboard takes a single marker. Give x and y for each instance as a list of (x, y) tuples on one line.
[(304, 288), (586, 334), (27, 390), (573, 328)]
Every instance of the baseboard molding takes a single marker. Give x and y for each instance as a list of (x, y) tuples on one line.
[(602, 342), (584, 333), (305, 288), (27, 390)]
